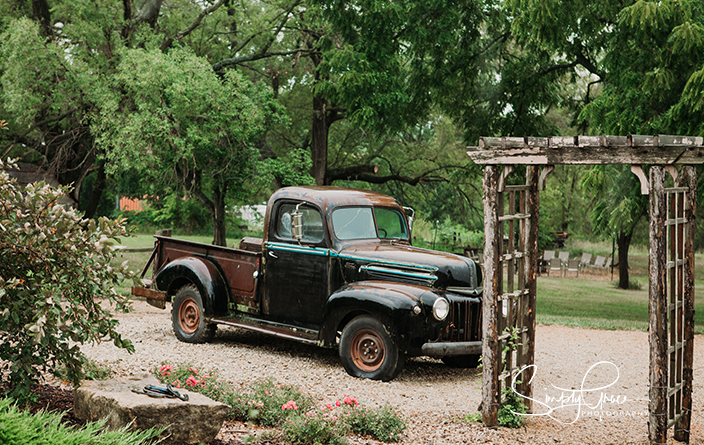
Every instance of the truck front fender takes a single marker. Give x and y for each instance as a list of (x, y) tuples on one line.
[(393, 303), (203, 274)]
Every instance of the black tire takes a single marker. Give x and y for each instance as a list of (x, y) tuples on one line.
[(368, 351), (462, 361), (187, 317)]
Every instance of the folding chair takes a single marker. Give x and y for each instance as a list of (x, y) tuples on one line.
[(585, 260), (573, 266), (555, 264)]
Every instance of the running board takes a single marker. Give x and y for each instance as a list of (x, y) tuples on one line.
[(274, 329)]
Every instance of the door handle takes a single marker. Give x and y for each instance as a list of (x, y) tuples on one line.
[(273, 255)]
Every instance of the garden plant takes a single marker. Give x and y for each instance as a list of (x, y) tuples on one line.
[(57, 285), (289, 408)]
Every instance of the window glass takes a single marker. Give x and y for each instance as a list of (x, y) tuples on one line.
[(353, 223), (390, 223), (312, 223)]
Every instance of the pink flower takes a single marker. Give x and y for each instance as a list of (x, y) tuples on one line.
[(330, 406), (267, 392), (351, 401), (337, 403), (289, 405), (193, 370), (176, 383), (166, 369), (191, 381)]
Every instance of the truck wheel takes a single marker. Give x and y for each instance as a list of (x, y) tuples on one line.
[(368, 351), (187, 317), (462, 361)]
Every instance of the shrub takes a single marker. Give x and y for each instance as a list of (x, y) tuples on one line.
[(19, 427), (314, 429), (270, 404), (55, 275), (381, 423), (264, 403), (510, 414)]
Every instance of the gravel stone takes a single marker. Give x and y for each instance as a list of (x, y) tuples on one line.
[(432, 397)]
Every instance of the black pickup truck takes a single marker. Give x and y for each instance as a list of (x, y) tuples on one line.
[(335, 268)]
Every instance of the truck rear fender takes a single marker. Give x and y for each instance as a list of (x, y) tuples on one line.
[(203, 274), (391, 303)]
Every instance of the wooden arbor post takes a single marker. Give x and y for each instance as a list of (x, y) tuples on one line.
[(671, 301), (672, 217), (508, 308)]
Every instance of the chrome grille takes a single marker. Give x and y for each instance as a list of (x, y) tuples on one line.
[(465, 322)]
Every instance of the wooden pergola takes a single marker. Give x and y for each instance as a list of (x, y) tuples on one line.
[(511, 218)]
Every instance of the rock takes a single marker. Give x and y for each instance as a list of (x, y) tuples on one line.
[(197, 420)]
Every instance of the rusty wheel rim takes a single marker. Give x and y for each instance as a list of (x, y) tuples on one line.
[(367, 350), (189, 316)]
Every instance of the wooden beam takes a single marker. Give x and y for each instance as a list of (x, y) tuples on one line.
[(657, 308), (530, 266), (683, 425), (491, 356), (589, 150)]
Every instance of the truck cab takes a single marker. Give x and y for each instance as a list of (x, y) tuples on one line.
[(335, 267)]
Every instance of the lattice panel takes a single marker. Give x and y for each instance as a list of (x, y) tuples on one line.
[(678, 229), (513, 318)]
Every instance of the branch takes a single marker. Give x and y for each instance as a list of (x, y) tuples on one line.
[(167, 43), (280, 27), (367, 173), (252, 57)]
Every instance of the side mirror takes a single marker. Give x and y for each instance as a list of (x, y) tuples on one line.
[(410, 213), (297, 224)]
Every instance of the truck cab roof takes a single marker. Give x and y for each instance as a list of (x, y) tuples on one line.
[(328, 198)]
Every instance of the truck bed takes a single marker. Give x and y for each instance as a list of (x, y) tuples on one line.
[(239, 267)]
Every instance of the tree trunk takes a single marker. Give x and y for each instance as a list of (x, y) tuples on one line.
[(319, 141), (149, 12), (218, 214), (96, 192), (623, 240), (42, 14)]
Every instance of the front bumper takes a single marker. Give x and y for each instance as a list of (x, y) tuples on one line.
[(445, 349)]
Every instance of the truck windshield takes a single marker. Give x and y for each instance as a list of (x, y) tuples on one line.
[(365, 223)]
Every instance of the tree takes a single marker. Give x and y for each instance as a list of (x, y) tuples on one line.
[(646, 58), (53, 58), (176, 118), (55, 275), (617, 207)]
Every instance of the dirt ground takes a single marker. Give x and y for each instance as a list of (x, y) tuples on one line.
[(609, 369)]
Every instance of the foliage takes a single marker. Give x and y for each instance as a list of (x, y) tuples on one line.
[(179, 119), (277, 405), (20, 427), (382, 423), (512, 407), (55, 281), (445, 235), (314, 429), (91, 370)]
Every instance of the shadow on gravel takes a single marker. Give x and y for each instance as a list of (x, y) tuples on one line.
[(417, 369)]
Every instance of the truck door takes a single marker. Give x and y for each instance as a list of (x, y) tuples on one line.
[(297, 273)]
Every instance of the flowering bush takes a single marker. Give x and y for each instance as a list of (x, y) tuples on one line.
[(55, 273), (314, 429), (276, 405), (268, 403)]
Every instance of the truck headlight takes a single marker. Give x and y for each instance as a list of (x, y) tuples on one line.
[(440, 309)]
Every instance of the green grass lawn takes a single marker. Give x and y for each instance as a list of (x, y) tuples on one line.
[(588, 301), (596, 303)]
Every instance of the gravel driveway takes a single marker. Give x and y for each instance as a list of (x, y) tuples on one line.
[(431, 396)]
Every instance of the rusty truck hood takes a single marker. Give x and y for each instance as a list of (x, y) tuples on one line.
[(403, 262)]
